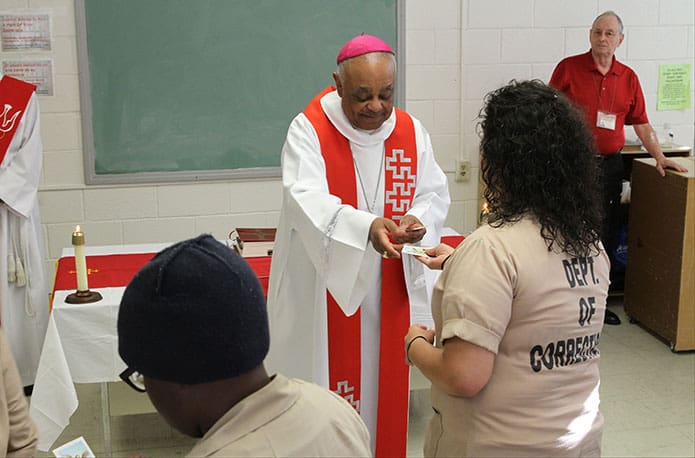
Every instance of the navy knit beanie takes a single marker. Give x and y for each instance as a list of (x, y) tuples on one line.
[(195, 313)]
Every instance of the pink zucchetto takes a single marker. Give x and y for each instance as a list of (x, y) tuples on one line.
[(362, 44)]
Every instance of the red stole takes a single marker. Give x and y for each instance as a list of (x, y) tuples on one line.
[(14, 97), (344, 336)]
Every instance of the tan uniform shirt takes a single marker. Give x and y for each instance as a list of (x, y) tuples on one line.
[(541, 312), (287, 417), (18, 435)]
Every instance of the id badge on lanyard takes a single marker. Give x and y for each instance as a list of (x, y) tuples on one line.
[(605, 120)]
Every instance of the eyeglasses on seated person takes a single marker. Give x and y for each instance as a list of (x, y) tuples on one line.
[(134, 379)]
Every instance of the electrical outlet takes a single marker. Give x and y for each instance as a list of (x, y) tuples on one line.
[(463, 170)]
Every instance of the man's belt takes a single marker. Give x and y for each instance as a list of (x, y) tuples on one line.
[(608, 156)]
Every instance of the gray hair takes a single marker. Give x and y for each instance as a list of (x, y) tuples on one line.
[(609, 13), (342, 67)]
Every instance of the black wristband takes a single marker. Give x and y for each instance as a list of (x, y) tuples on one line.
[(407, 347), (445, 260)]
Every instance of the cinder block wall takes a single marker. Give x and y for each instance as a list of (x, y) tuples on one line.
[(456, 51), (521, 39)]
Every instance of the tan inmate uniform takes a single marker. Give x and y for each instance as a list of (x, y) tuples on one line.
[(541, 312), (287, 417), (18, 435)]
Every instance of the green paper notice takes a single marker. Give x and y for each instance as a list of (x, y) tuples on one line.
[(674, 87)]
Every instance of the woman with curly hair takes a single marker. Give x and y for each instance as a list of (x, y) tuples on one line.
[(518, 308)]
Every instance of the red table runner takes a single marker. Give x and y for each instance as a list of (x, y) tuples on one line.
[(453, 240), (117, 269)]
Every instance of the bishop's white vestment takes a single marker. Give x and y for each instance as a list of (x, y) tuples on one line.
[(23, 282), (323, 244)]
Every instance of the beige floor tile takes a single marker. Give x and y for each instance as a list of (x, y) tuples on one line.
[(660, 442), (163, 452), (420, 413), (687, 429), (673, 409)]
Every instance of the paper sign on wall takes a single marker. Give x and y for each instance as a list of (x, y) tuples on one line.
[(674, 87), (25, 32), (37, 72)]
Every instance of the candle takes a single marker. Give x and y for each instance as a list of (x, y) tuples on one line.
[(80, 260), (484, 211)]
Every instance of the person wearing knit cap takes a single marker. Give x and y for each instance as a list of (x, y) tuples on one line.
[(359, 180), (193, 331)]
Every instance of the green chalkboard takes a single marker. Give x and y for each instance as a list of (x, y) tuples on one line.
[(176, 89)]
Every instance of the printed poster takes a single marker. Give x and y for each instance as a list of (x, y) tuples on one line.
[(674, 87), (25, 32), (37, 72)]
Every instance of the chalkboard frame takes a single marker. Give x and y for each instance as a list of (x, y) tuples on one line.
[(240, 174)]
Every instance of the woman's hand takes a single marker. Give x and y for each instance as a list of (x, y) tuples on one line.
[(437, 256), (415, 333)]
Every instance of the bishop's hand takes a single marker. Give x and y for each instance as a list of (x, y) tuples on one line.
[(411, 230), (381, 232)]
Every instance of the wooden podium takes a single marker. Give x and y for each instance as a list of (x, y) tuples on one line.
[(660, 275)]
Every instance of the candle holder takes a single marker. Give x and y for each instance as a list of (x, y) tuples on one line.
[(83, 297)]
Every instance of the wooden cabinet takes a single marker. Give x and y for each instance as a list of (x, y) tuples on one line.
[(660, 275)]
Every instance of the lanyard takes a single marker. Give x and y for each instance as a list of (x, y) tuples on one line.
[(598, 91)]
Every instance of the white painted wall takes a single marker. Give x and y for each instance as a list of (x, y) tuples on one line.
[(456, 51), (521, 39)]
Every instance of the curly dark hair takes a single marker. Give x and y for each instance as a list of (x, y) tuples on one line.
[(538, 158)]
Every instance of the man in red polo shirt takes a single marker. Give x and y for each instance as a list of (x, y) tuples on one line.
[(610, 95)]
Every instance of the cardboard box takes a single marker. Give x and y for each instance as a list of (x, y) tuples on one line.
[(660, 274)]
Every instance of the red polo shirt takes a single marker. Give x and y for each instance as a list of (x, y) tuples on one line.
[(617, 92)]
